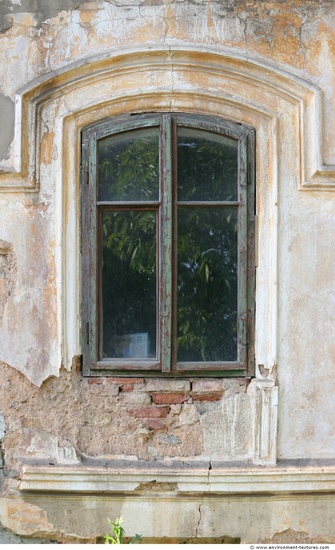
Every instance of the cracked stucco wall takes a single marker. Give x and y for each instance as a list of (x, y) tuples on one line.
[(54, 415)]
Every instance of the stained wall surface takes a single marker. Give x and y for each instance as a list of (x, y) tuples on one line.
[(67, 64)]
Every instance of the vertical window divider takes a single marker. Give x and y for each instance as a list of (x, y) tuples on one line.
[(89, 250), (242, 248), (174, 252), (94, 267), (252, 249), (166, 243)]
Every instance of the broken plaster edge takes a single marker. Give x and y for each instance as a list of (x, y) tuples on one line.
[(35, 378)]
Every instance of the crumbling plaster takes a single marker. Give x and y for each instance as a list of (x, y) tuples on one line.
[(118, 419)]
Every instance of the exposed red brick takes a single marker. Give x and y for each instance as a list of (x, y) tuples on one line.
[(95, 380), (127, 387), (150, 412), (154, 423), (213, 396), (169, 398), (122, 381), (105, 390), (207, 386), (169, 386)]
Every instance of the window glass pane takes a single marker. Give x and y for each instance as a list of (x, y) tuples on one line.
[(129, 284), (128, 166), (207, 284), (207, 166)]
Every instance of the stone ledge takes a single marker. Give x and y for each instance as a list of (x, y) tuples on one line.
[(132, 478)]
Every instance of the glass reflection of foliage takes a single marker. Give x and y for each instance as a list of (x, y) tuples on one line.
[(207, 284), (128, 278), (128, 170), (128, 166), (207, 166)]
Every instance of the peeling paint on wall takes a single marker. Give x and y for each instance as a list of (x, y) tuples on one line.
[(42, 11), (7, 109)]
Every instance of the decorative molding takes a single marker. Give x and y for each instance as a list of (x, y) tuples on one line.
[(265, 422), (240, 79), (135, 479)]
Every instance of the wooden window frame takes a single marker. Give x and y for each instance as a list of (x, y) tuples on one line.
[(165, 364)]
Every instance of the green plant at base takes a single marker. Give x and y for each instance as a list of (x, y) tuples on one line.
[(117, 533)]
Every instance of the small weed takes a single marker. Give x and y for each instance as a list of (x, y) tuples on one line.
[(116, 536)]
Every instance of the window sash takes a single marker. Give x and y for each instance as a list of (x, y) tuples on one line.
[(166, 353)]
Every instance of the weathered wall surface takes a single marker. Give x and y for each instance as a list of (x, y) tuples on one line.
[(113, 417), (266, 64)]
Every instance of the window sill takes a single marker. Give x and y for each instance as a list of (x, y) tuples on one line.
[(182, 370), (135, 478)]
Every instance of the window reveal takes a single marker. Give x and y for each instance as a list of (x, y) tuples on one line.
[(167, 242)]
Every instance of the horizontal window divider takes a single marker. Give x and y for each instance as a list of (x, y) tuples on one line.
[(208, 203), (129, 204), (134, 364)]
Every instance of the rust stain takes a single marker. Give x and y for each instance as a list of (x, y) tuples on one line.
[(50, 290), (87, 16), (46, 147)]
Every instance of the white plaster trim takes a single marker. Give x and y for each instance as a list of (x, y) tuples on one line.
[(270, 78), (217, 480), (265, 405)]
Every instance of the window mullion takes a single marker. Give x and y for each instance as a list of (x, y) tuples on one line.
[(166, 245), (242, 252)]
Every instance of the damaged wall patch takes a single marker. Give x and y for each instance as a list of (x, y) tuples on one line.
[(8, 271)]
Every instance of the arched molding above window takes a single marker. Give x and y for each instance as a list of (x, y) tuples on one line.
[(167, 77)]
